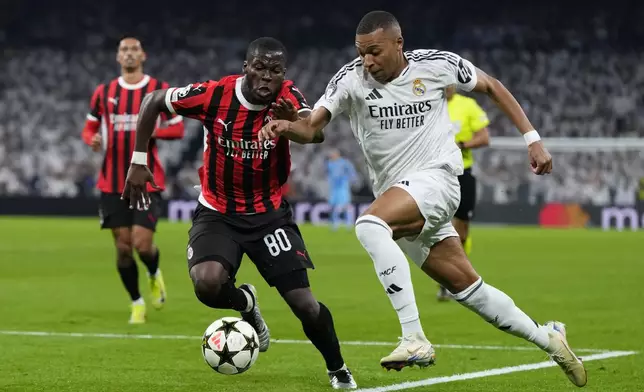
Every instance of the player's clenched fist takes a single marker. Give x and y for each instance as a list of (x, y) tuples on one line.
[(274, 129), (540, 159)]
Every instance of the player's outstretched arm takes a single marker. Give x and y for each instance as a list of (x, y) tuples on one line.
[(504, 99), (139, 174), (303, 131), (152, 106), (540, 159)]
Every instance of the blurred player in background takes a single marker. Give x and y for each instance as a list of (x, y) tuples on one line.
[(241, 208), (110, 128), (341, 173), (414, 164), (470, 123)]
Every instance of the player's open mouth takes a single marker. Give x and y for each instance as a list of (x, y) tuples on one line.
[(264, 91)]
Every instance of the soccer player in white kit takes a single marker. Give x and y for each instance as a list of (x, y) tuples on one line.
[(398, 112)]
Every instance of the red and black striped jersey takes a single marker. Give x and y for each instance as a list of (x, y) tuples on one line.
[(239, 175), (114, 111)]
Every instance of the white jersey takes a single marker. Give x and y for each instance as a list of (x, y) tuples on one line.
[(403, 126)]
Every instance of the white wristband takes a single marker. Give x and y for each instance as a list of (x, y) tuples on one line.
[(140, 158), (531, 137)]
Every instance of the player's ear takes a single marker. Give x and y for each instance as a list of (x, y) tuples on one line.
[(144, 57), (400, 42), (244, 66)]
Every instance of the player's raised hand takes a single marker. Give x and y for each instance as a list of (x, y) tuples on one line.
[(97, 142), (136, 186), (540, 159), (284, 109), (273, 129)]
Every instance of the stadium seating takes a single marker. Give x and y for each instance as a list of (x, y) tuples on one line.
[(578, 80)]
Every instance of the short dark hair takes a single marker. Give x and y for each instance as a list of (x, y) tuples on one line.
[(375, 20), (264, 45), (128, 36)]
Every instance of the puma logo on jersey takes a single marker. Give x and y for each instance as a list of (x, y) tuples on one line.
[(220, 121), (113, 101)]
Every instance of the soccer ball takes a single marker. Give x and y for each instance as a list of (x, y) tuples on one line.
[(230, 345)]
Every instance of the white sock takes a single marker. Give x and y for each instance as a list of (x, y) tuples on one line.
[(499, 310), (251, 302), (344, 367), (139, 301), (392, 268)]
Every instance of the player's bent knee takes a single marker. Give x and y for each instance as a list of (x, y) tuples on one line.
[(208, 277), (142, 243), (124, 253)]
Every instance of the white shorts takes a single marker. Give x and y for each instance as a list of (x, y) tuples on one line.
[(437, 194)]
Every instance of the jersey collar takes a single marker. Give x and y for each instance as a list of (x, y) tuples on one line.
[(243, 100), (128, 86)]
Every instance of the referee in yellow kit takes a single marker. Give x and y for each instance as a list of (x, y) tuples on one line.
[(470, 125)]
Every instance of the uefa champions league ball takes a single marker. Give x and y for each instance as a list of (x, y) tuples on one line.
[(230, 345)]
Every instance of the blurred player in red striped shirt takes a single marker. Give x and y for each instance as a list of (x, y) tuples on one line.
[(110, 128), (241, 209)]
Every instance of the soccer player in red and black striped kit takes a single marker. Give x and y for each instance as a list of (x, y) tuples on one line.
[(110, 127), (241, 209)]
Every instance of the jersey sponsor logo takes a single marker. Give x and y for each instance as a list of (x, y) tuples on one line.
[(464, 73), (418, 88), (251, 149), (404, 182), (398, 116), (124, 122), (246, 148)]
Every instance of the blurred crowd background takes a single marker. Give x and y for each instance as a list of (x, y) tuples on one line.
[(576, 69)]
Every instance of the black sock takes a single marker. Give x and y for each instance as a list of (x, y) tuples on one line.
[(321, 333), (130, 277), (224, 296), (151, 261)]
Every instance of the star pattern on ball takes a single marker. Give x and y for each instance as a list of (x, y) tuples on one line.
[(204, 343), (227, 327), (226, 356), (251, 345)]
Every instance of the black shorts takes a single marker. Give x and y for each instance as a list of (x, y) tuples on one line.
[(271, 240), (115, 212), (468, 196)]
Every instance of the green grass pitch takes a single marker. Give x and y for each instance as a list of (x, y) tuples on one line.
[(59, 275)]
